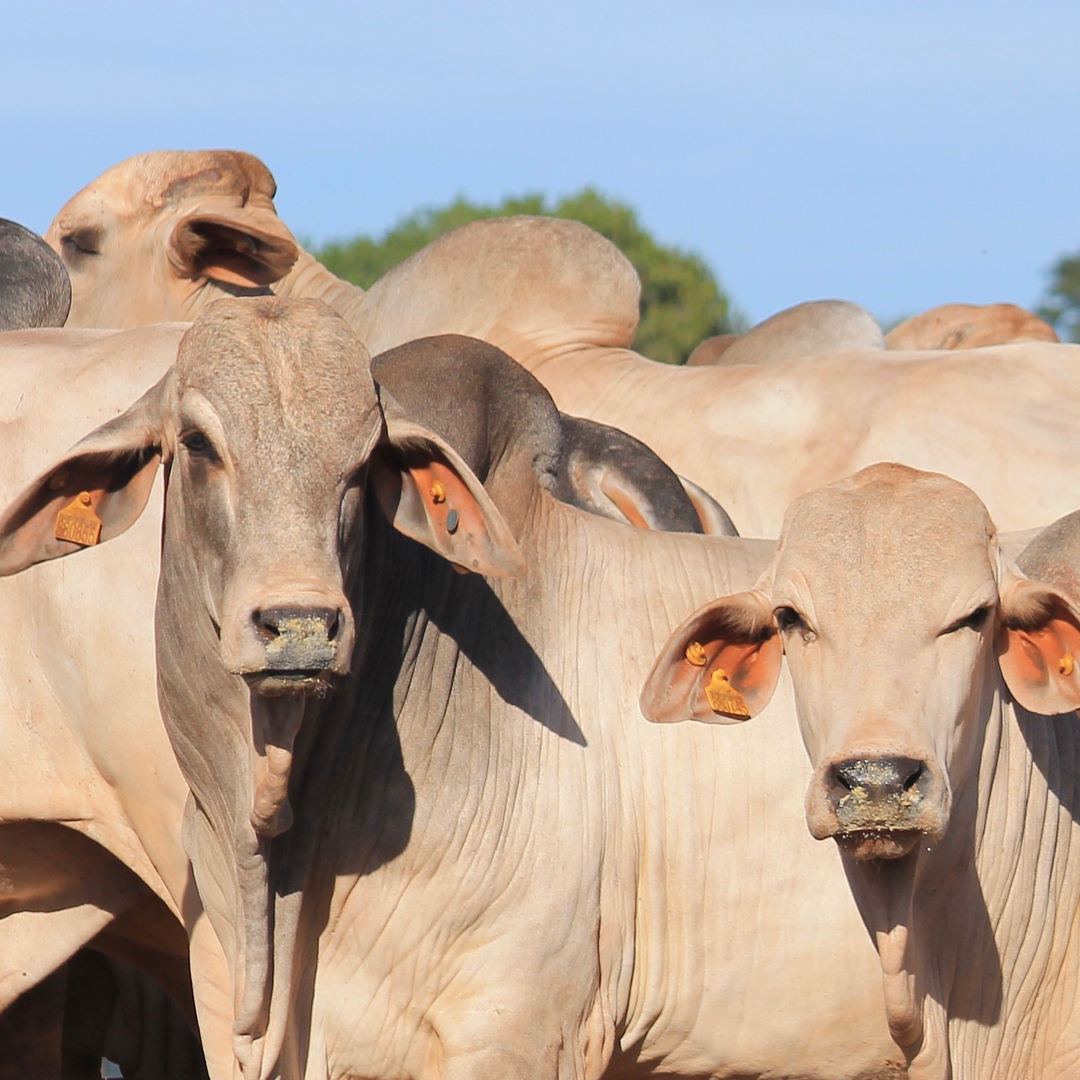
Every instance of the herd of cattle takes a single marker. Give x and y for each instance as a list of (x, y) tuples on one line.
[(351, 746)]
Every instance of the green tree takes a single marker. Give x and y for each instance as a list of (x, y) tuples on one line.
[(1061, 305), (681, 302)]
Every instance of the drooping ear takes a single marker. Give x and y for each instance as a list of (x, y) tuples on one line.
[(720, 666), (252, 248), (713, 517), (607, 472), (94, 492), (428, 493), (1039, 647)]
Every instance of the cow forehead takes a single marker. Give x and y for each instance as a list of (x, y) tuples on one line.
[(167, 176), (915, 542), (272, 361)]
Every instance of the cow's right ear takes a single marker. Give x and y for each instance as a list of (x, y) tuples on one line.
[(251, 249), (719, 667), (428, 493), (94, 492)]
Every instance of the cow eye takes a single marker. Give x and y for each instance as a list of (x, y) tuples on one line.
[(974, 620), (790, 621), (82, 242), (198, 445)]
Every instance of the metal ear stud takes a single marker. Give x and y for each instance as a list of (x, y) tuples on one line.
[(452, 521)]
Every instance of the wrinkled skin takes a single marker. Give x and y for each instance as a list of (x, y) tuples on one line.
[(919, 659), (378, 907)]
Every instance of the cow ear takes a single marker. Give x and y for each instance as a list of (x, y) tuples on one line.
[(1039, 647), (94, 492), (720, 666), (713, 517), (429, 494), (252, 249)]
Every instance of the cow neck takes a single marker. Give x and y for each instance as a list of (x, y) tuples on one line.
[(309, 278), (1027, 859), (235, 868)]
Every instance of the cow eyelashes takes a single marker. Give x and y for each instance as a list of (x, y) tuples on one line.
[(198, 445), (788, 620), (975, 620), (82, 242)]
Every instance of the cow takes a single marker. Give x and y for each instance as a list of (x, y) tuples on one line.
[(97, 1004), (430, 831), (815, 326), (935, 686), (969, 326), (35, 289), (92, 797)]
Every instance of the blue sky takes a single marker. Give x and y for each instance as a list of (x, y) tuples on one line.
[(900, 155)]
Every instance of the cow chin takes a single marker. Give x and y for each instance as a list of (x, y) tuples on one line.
[(867, 844), (289, 683)]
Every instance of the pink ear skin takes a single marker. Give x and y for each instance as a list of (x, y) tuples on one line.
[(1039, 648), (429, 494), (734, 635), (114, 466)]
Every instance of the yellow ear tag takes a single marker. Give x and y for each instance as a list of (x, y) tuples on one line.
[(1066, 664), (724, 698), (438, 493), (695, 654), (78, 521)]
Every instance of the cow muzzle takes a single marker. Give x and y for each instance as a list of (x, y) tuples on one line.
[(292, 647), (877, 806)]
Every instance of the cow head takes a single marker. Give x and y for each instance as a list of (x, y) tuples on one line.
[(888, 597), (160, 235)]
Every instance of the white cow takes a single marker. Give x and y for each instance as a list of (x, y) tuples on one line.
[(471, 858), (935, 687)]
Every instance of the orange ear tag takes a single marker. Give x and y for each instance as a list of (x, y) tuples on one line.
[(724, 698), (695, 654), (78, 522)]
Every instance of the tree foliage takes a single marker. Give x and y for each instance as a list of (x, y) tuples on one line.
[(1061, 305), (681, 302)]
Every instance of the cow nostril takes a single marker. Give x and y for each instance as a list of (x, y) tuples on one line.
[(265, 627), (913, 779), (333, 624)]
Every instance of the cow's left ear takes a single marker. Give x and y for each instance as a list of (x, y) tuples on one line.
[(429, 494), (720, 666), (1039, 647), (93, 493), (252, 248)]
